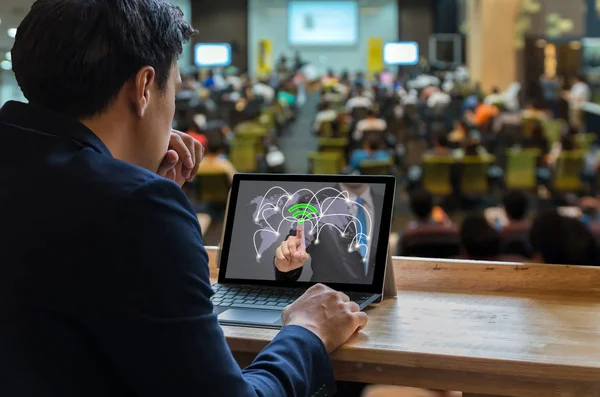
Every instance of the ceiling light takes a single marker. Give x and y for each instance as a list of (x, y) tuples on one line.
[(12, 32), (6, 65), (8, 56)]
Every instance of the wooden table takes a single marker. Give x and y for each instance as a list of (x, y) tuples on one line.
[(485, 329)]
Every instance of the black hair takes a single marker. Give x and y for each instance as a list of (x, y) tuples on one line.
[(421, 203), (563, 241), (478, 238), (214, 146), (442, 139), (324, 106), (567, 143), (74, 56), (373, 144), (516, 204), (537, 133)]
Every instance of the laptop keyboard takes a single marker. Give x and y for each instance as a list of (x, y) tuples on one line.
[(259, 297)]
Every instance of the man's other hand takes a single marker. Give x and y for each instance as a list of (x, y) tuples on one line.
[(290, 255), (328, 314), (181, 162)]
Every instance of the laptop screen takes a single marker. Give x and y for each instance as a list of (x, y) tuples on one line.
[(336, 226)]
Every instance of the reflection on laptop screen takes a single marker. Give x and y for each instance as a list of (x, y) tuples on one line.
[(341, 224)]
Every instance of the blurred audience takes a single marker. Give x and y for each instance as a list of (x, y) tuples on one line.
[(425, 213), (371, 150), (215, 161), (370, 123)]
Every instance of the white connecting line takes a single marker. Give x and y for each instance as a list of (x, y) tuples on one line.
[(316, 221)]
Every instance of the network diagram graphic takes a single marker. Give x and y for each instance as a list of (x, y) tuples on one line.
[(316, 211)]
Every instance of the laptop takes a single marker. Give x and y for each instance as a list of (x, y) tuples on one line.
[(341, 221)]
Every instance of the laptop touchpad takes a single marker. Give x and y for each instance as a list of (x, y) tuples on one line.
[(249, 316)]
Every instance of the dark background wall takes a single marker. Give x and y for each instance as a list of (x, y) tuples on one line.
[(223, 21), (416, 22)]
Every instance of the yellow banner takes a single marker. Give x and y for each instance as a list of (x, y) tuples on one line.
[(375, 55), (265, 57)]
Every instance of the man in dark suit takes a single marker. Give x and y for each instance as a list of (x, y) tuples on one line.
[(104, 281), (331, 259)]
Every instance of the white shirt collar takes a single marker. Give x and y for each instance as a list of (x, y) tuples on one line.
[(366, 196)]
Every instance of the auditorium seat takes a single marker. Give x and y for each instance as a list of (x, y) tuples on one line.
[(431, 241)]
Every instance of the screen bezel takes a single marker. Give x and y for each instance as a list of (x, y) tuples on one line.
[(316, 46), (376, 285)]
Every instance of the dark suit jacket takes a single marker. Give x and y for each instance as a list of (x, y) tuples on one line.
[(330, 260), (104, 283)]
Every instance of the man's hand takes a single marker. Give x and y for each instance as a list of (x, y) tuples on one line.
[(181, 162), (290, 256), (328, 314)]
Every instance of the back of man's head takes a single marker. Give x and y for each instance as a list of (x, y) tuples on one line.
[(74, 56), (563, 241), (421, 204), (516, 205), (478, 238)]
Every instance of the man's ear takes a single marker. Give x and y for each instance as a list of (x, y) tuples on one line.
[(144, 79)]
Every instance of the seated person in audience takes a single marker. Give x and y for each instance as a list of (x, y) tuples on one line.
[(109, 293), (330, 79), (494, 98), (215, 161), (189, 87), (333, 94), (441, 146), (537, 140), (560, 240), (482, 115), (516, 205), (360, 80), (438, 98), (479, 240), (459, 133), (504, 118), (533, 110), (426, 214), (371, 123), (515, 234), (265, 91), (233, 81), (473, 146), (567, 143), (209, 81), (590, 210), (325, 115), (371, 150), (471, 101), (360, 100)]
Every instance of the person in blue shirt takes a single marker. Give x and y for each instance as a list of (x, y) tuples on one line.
[(371, 150), (104, 279), (209, 81)]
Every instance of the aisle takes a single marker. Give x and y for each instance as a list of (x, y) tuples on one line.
[(298, 139)]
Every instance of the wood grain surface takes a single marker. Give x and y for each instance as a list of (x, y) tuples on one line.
[(477, 327)]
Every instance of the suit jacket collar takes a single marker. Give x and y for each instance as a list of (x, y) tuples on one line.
[(41, 120)]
